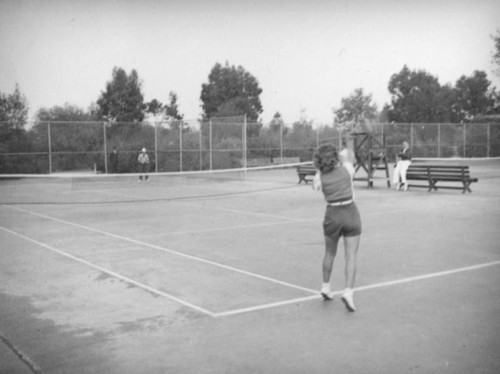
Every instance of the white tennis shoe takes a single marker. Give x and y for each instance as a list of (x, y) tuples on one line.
[(327, 293), (348, 301)]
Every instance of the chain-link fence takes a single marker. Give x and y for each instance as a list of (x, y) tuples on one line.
[(220, 143), (445, 140)]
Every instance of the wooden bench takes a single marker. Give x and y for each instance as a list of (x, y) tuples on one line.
[(434, 174), (304, 171)]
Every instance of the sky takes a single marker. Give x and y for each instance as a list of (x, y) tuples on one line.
[(305, 55)]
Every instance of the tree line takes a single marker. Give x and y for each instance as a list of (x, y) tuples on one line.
[(416, 97)]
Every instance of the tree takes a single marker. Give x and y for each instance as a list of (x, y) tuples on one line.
[(13, 136), (417, 96), (13, 111), (473, 95), (356, 107), (13, 116), (154, 107), (70, 129), (122, 101), (75, 140), (496, 53), (277, 124), (172, 109), (231, 91), (67, 113)]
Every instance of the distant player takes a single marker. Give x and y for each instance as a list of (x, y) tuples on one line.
[(113, 158), (341, 219), (143, 160), (403, 162)]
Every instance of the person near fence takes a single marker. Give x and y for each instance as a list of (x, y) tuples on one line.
[(113, 159), (342, 218), (347, 156), (143, 160), (403, 161)]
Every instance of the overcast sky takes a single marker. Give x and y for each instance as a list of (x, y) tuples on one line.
[(306, 55)]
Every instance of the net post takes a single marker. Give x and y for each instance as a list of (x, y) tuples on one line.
[(50, 147)]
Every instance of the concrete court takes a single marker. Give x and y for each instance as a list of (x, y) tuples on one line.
[(228, 284)]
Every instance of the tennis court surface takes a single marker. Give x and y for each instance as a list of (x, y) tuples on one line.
[(220, 273)]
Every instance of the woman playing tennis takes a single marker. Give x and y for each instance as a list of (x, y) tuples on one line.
[(342, 218)]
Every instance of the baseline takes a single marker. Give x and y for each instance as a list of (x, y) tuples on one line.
[(362, 288)]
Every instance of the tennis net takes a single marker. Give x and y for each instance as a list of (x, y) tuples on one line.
[(84, 187)]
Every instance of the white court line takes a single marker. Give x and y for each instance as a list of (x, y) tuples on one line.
[(227, 228), (362, 288), (183, 202), (245, 212), (21, 355), (153, 246), (112, 273), (316, 221)]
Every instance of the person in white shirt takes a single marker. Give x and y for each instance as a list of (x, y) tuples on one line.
[(403, 162)]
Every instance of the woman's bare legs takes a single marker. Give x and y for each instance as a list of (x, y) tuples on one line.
[(351, 246), (330, 253)]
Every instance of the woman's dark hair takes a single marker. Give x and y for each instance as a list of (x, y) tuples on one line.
[(326, 158)]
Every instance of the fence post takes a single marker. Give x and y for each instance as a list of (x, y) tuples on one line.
[(105, 148), (201, 146), (411, 135), (50, 147), (210, 141), (244, 141), (180, 145), (488, 140), (439, 141), (281, 143), (464, 147), (156, 147)]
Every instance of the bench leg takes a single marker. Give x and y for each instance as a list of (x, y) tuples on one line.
[(466, 187), (432, 185)]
